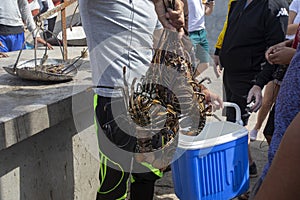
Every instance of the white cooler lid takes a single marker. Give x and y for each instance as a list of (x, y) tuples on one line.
[(214, 133)]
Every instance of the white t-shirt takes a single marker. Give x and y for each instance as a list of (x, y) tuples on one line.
[(34, 5), (119, 33), (196, 15), (295, 7)]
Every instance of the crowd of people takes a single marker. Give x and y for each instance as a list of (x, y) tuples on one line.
[(257, 49), (251, 27)]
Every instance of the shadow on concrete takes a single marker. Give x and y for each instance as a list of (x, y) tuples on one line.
[(45, 163), (38, 164)]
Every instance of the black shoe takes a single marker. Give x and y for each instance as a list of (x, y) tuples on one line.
[(253, 170), (244, 196)]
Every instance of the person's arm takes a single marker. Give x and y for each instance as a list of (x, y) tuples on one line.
[(26, 14), (212, 99), (209, 7), (281, 55), (171, 18), (43, 42), (292, 28), (283, 178), (275, 32), (286, 43), (293, 10)]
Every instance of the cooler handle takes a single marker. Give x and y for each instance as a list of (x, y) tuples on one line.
[(238, 119)]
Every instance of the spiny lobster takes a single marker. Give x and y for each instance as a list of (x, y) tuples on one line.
[(166, 99)]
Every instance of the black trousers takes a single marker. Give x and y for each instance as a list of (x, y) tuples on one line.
[(236, 88), (116, 145), (51, 25)]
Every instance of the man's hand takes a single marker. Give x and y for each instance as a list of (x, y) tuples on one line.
[(274, 48), (43, 42), (172, 19), (255, 93), (209, 7), (213, 99), (217, 66), (281, 55), (49, 46)]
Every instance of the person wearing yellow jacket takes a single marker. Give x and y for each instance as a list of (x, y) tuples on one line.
[(218, 45), (251, 27)]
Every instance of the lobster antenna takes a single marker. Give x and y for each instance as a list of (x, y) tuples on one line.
[(126, 89)]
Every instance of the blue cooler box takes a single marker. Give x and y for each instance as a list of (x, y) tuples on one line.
[(213, 165)]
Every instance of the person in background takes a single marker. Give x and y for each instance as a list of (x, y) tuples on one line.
[(218, 69), (269, 96), (35, 11), (120, 33), (280, 54), (13, 15), (242, 55), (197, 32), (287, 104), (49, 23), (294, 19), (272, 87)]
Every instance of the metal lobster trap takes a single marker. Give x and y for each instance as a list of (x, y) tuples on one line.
[(51, 70), (45, 69)]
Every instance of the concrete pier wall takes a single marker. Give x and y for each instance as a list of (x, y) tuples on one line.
[(48, 145)]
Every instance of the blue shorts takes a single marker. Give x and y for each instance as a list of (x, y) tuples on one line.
[(13, 42), (199, 40)]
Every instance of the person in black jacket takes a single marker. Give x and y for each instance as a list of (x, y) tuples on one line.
[(252, 26)]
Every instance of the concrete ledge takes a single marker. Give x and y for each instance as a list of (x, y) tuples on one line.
[(29, 107), (48, 146)]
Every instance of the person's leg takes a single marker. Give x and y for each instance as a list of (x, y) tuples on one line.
[(241, 101), (113, 183), (3, 45), (51, 25), (116, 165), (269, 128), (113, 140), (269, 97), (142, 186), (13, 42), (202, 51)]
